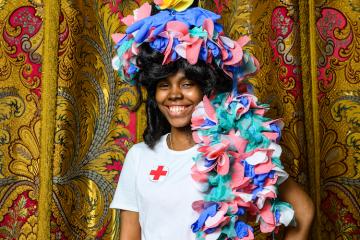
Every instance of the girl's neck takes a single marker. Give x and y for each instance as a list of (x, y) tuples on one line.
[(180, 139)]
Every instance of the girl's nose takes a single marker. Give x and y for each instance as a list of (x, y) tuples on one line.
[(175, 93)]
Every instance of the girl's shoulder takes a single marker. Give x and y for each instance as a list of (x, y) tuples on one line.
[(139, 147), (144, 148), (135, 152), (140, 151)]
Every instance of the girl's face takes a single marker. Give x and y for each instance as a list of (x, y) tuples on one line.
[(177, 98)]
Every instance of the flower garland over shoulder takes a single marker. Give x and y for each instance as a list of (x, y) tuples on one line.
[(238, 168), (238, 165)]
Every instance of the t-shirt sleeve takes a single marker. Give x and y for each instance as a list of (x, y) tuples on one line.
[(125, 196)]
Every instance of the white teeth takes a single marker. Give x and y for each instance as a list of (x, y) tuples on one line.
[(176, 109)]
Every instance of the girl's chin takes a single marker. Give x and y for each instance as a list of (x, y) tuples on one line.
[(179, 123)]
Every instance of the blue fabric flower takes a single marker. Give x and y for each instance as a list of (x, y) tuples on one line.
[(276, 129), (132, 69), (159, 44), (218, 28), (242, 229), (203, 54), (210, 230), (208, 122), (255, 191), (241, 211), (209, 211), (244, 101), (214, 48), (175, 43), (209, 163), (277, 215), (260, 179), (249, 169), (174, 56)]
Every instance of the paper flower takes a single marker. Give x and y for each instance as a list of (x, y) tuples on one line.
[(143, 12), (214, 156), (244, 231), (204, 116), (177, 5)]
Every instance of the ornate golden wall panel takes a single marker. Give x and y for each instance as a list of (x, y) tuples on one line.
[(20, 81), (94, 125), (309, 54), (338, 65)]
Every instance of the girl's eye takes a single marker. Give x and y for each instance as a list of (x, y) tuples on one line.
[(162, 85), (187, 84)]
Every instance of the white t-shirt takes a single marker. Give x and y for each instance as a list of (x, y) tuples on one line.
[(157, 184)]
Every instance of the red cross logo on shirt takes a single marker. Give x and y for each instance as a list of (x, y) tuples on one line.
[(158, 174)]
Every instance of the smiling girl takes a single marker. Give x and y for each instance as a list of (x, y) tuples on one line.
[(193, 177)]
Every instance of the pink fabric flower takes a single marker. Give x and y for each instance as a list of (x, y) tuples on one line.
[(143, 12), (189, 48), (204, 116), (217, 154), (238, 179), (266, 218)]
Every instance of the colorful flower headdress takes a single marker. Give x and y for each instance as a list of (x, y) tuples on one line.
[(238, 166), (192, 34)]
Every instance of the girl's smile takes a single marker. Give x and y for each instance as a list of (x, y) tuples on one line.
[(178, 110)]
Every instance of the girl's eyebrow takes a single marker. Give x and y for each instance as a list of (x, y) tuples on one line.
[(162, 80), (180, 79), (185, 78)]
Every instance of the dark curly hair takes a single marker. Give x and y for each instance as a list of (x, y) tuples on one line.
[(209, 77)]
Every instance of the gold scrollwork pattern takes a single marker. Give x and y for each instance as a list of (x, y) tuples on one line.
[(94, 123), (95, 126), (20, 74)]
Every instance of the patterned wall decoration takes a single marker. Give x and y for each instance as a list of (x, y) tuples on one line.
[(20, 82), (95, 125), (338, 61)]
